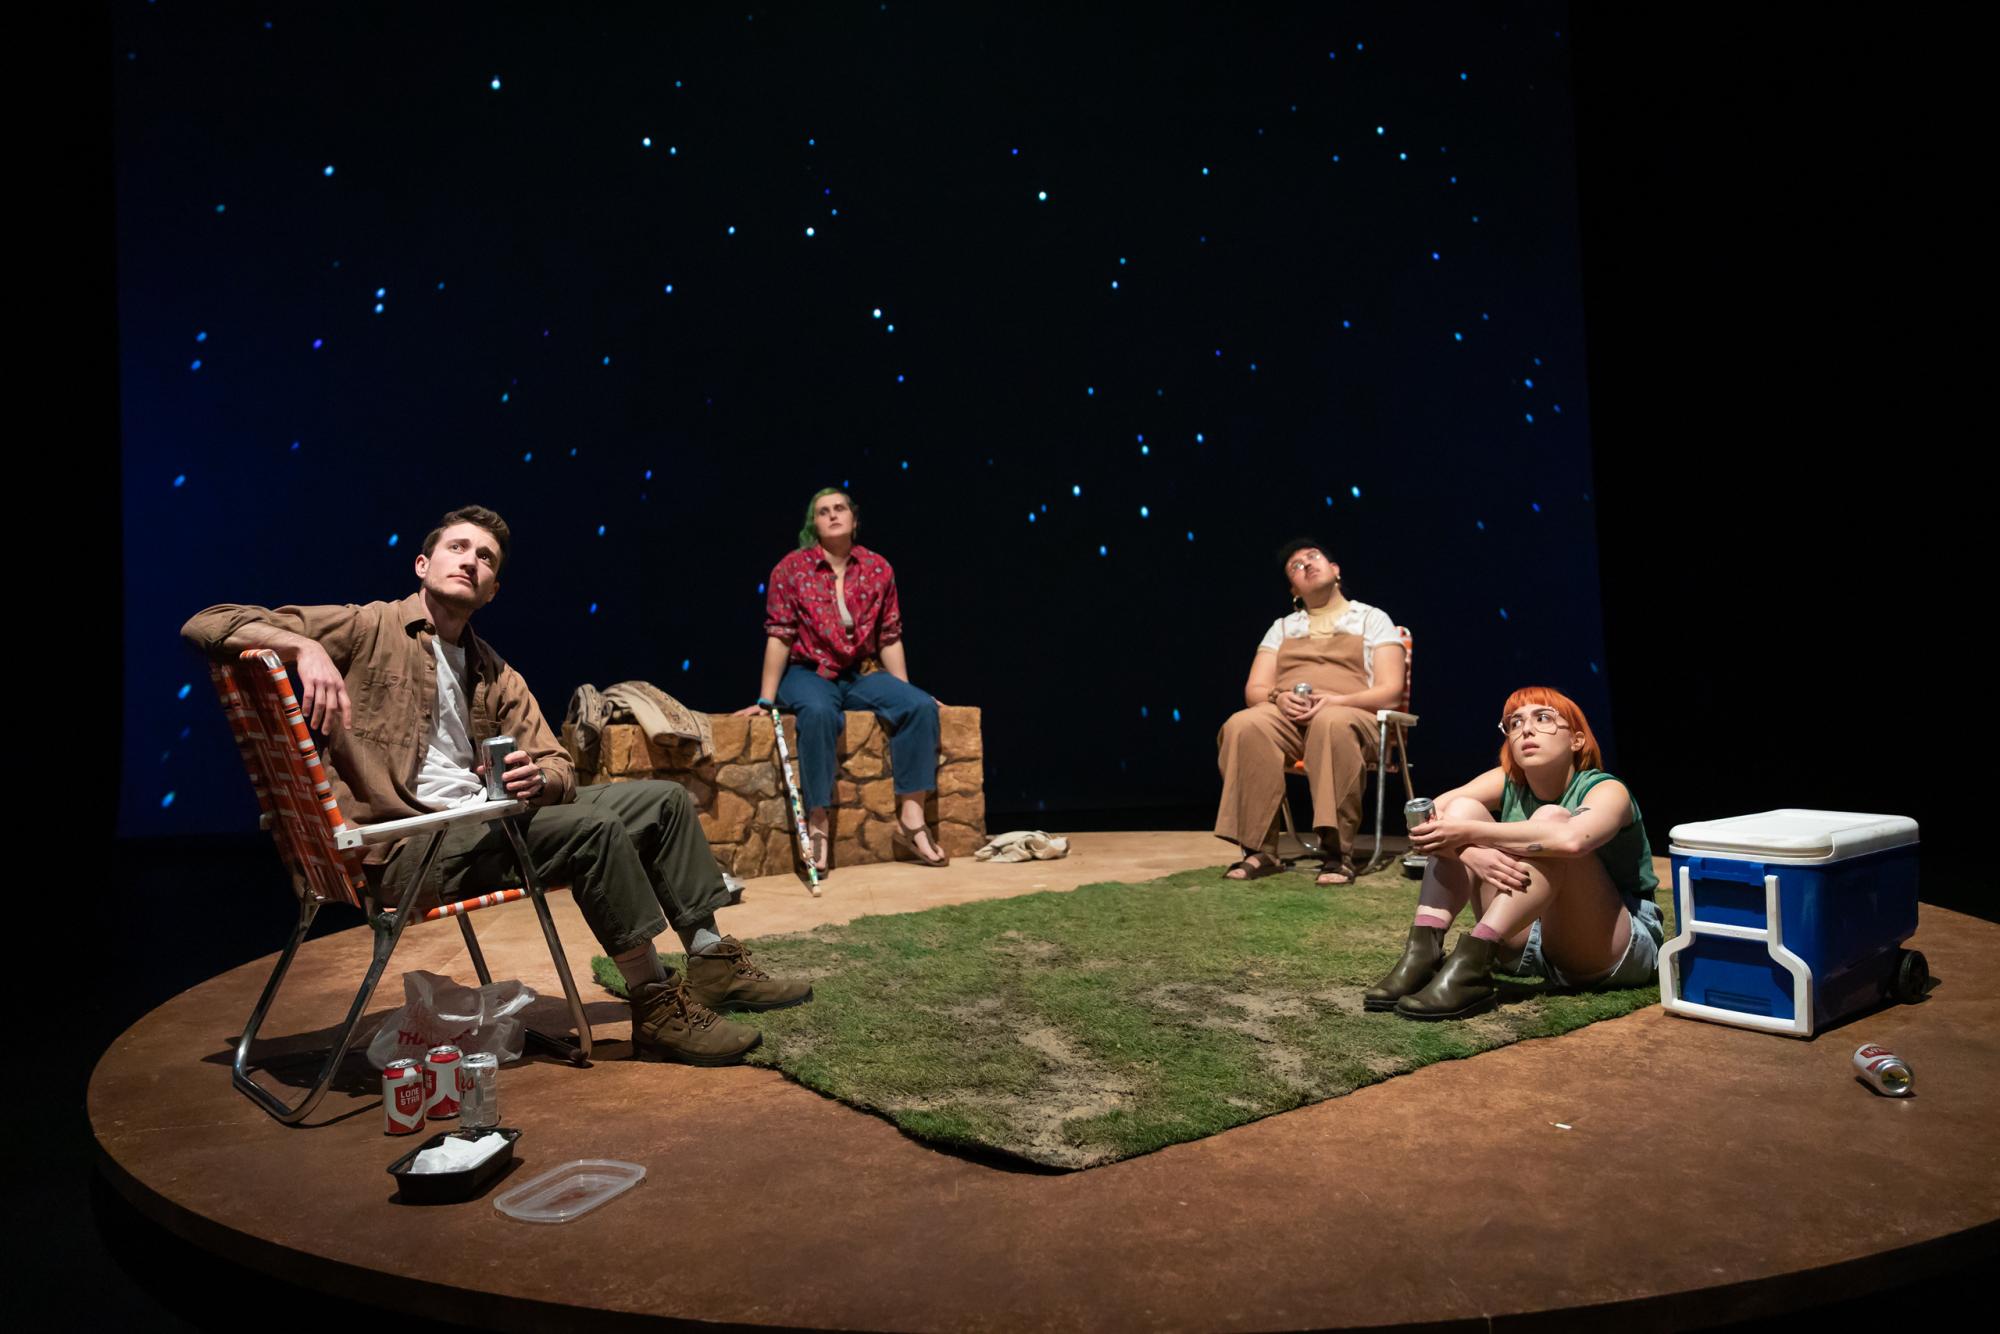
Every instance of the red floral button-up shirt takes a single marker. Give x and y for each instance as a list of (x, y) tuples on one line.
[(799, 608)]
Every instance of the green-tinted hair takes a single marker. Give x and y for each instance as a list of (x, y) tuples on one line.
[(809, 535)]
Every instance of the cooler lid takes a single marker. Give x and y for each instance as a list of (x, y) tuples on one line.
[(1795, 835)]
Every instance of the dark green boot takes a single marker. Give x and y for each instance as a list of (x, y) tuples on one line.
[(1462, 988), (1422, 953)]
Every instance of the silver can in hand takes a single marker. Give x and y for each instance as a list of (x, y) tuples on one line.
[(1303, 688), (496, 750), (1417, 810)]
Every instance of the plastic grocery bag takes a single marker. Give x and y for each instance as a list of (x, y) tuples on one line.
[(438, 1010)]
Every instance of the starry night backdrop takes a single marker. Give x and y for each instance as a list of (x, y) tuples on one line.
[(1091, 312)]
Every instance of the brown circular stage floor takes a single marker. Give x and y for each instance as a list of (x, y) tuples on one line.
[(1659, 1170)]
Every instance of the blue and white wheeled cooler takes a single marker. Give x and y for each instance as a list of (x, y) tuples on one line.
[(1792, 920)]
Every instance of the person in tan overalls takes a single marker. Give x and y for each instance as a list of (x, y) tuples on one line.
[(1351, 657)]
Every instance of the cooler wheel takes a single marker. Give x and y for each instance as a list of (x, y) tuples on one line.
[(1913, 977)]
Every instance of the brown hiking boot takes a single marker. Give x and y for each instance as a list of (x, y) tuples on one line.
[(725, 979), (669, 1024), (1462, 988), (1422, 954)]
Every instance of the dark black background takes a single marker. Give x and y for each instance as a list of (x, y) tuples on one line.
[(523, 237), (1778, 317)]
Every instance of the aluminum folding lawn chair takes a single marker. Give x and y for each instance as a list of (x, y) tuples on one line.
[(322, 851), (1392, 755)]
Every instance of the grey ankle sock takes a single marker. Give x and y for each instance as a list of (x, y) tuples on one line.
[(701, 938), (640, 965)]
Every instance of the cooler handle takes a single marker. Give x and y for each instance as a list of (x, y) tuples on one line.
[(1744, 873), (1771, 934)]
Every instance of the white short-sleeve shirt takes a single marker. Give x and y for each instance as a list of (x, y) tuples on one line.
[(1371, 623)]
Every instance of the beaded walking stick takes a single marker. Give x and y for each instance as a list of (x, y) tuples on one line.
[(798, 808)]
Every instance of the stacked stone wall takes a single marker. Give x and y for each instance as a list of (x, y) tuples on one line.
[(747, 815)]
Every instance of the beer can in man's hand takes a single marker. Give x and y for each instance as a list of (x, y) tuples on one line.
[(1302, 689), (402, 1098), (1883, 1071), (496, 750)]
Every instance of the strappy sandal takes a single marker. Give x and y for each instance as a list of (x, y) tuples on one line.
[(906, 838), (1335, 866), (1254, 867), (818, 839)]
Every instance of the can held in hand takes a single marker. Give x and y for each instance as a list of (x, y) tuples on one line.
[(441, 1067), (1417, 810), (402, 1098), (495, 751), (1883, 1071), (479, 1091), (1303, 688)]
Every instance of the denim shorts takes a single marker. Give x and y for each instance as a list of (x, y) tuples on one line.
[(1639, 968)]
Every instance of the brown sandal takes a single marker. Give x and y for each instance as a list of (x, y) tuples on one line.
[(821, 846), (1335, 866), (906, 838), (1254, 867)]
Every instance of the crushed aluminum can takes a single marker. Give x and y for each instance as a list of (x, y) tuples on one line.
[(1883, 1070)]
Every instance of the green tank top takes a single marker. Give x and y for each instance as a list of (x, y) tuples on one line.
[(1627, 858)]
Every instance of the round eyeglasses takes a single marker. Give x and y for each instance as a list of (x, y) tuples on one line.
[(1542, 720)]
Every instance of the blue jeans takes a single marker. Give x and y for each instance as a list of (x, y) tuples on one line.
[(910, 715)]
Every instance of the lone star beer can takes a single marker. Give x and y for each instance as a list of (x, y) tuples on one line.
[(402, 1098), (1883, 1071)]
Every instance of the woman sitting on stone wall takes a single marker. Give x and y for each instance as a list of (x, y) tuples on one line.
[(830, 607), (1561, 882), (1314, 685)]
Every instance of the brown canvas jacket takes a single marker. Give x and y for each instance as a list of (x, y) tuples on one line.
[(383, 650)]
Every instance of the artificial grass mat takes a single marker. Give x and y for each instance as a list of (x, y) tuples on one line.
[(1075, 1029)]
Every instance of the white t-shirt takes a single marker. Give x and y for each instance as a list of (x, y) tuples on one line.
[(1371, 623), (446, 778)]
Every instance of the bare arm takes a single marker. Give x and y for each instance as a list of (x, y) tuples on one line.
[(1606, 809), (1387, 692), (894, 663), (1447, 837), (776, 654), (1263, 678)]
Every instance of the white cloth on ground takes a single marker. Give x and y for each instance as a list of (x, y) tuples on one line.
[(1023, 845)]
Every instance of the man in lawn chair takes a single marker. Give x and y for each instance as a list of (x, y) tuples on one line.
[(405, 694)]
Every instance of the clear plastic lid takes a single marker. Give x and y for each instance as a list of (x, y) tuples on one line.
[(569, 1191)]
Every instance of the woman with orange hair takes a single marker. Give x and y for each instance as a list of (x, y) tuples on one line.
[(1550, 852)]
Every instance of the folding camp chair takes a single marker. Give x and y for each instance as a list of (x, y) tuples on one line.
[(1392, 755), (322, 852)]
